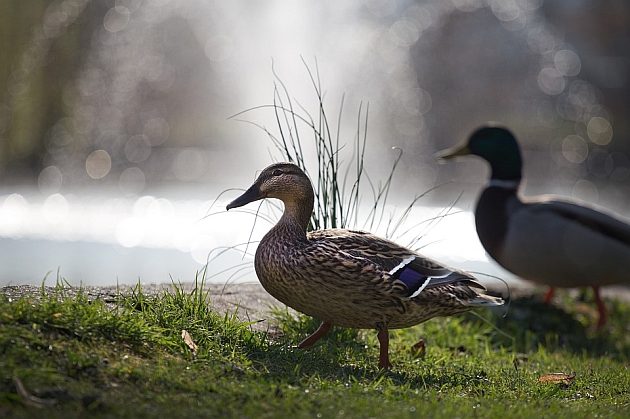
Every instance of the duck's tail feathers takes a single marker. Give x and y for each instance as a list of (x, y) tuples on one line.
[(484, 300)]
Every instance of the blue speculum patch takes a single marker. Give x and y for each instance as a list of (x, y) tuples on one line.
[(412, 279)]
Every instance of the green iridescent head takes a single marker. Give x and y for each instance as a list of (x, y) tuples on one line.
[(496, 145)]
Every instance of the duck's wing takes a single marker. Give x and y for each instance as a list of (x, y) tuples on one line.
[(383, 252), (405, 271), (593, 219)]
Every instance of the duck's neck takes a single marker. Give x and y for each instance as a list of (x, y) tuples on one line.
[(493, 211), (506, 174), (507, 170), (296, 216), (499, 198)]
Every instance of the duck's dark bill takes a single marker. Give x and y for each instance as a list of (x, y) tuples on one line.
[(250, 195), (450, 153)]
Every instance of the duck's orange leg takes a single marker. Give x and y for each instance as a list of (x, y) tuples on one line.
[(601, 308), (549, 295), (383, 359), (317, 335)]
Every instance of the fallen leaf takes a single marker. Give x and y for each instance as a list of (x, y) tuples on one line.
[(189, 341), (30, 399), (419, 350), (557, 378)]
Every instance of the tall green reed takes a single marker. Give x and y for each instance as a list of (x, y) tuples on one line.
[(340, 184)]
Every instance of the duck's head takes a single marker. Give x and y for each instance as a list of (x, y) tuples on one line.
[(496, 145), (284, 181)]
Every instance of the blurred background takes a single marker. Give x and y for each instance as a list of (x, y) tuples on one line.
[(116, 136)]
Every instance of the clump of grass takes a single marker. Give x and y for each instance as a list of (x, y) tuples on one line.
[(61, 342), (180, 309), (340, 178)]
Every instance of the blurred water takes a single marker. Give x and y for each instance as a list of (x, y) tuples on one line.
[(106, 240)]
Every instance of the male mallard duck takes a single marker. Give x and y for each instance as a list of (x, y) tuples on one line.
[(551, 242), (349, 278)]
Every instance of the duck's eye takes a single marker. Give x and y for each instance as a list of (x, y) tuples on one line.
[(276, 172)]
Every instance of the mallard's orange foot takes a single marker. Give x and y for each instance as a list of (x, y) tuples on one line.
[(601, 309), (317, 335), (383, 359), (385, 364), (549, 295)]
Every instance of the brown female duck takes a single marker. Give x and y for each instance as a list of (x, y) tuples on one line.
[(349, 278)]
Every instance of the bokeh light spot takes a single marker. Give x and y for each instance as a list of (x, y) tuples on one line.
[(156, 130), (132, 181), (190, 164), (137, 149), (98, 164), (50, 180), (415, 101), (586, 191), (467, 5), (505, 10), (599, 130), (55, 208), (540, 40), (13, 214), (116, 19), (600, 163), (551, 81), (567, 62), (574, 149), (404, 32), (130, 232), (142, 204), (132, 5), (530, 4)]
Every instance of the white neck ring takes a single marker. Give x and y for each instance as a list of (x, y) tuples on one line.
[(505, 184)]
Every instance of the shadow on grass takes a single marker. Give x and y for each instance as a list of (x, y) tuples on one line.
[(344, 357), (530, 325), (323, 362), (568, 325), (294, 366)]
